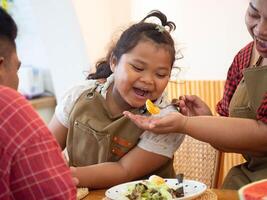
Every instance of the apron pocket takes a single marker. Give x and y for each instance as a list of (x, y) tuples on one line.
[(243, 112), (89, 146)]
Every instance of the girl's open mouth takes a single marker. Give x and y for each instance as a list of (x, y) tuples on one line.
[(140, 92)]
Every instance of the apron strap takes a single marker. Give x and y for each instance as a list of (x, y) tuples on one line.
[(259, 61)]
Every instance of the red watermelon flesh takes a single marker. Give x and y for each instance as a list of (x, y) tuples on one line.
[(254, 191)]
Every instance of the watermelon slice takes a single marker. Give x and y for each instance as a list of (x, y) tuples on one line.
[(254, 191)]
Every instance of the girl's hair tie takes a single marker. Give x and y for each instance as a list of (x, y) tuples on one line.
[(160, 28)]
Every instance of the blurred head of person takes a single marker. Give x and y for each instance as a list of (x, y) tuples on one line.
[(9, 62), (256, 21)]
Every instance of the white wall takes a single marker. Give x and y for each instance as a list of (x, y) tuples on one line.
[(50, 37), (210, 32), (100, 21)]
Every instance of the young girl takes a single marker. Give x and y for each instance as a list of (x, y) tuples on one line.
[(244, 101), (104, 146)]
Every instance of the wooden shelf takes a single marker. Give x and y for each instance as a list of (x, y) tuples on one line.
[(43, 102)]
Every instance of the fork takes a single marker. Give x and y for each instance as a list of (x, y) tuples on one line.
[(180, 178), (168, 105), (173, 103)]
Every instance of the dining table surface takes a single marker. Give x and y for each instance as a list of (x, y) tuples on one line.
[(221, 194)]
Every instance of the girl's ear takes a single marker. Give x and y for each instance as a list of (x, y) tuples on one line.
[(1, 61), (113, 62)]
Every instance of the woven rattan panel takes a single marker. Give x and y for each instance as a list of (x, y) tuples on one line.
[(198, 161)]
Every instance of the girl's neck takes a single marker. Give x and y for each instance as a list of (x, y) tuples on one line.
[(115, 102)]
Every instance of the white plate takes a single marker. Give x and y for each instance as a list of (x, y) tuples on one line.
[(192, 189)]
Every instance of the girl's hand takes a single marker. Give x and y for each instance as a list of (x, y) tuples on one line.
[(172, 122), (74, 178), (192, 105)]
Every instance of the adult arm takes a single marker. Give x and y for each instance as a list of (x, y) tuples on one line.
[(230, 134), (227, 134)]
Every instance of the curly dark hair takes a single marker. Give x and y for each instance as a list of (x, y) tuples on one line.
[(142, 31)]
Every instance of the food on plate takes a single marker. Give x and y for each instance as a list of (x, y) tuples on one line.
[(152, 109), (156, 180), (155, 188), (254, 191)]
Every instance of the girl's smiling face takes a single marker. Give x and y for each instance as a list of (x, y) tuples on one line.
[(256, 21), (141, 74)]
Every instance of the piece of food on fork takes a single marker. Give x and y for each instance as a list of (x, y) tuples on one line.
[(151, 107)]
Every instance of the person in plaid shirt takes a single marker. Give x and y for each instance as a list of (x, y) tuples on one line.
[(242, 126), (31, 164)]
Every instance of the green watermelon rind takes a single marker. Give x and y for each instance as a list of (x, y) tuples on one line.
[(241, 191)]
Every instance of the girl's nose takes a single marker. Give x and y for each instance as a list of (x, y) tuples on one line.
[(147, 78)]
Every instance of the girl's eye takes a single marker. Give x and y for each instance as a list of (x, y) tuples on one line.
[(253, 15), (137, 68), (161, 75)]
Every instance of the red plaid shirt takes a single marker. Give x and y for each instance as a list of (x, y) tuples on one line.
[(31, 165), (234, 76)]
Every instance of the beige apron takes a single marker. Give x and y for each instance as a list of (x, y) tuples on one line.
[(244, 104), (95, 136)]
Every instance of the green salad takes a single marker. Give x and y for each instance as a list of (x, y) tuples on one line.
[(152, 190)]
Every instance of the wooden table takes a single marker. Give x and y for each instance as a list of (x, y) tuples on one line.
[(226, 194), (221, 194), (43, 102)]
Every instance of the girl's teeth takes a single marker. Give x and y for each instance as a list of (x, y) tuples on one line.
[(140, 92)]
